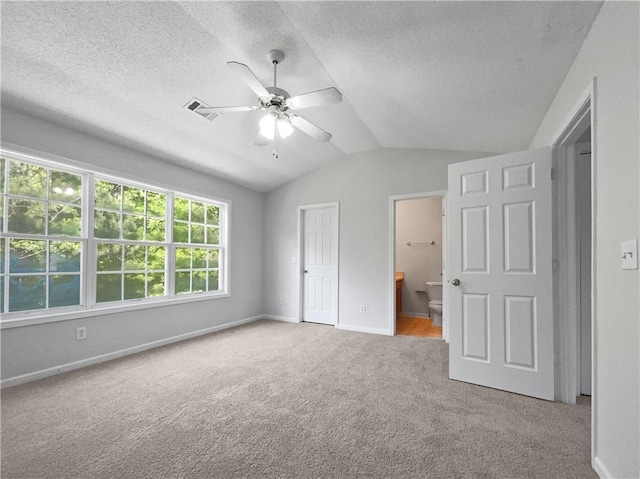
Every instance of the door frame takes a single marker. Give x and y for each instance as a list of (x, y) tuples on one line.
[(392, 258), (300, 256), (565, 275)]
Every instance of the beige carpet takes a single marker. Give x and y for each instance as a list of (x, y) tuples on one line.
[(283, 400)]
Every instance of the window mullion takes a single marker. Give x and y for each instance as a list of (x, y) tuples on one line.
[(170, 258), (89, 241)]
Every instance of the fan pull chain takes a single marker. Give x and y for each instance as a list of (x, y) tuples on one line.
[(275, 145)]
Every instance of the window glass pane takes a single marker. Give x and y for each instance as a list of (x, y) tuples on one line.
[(213, 215), (27, 180), (134, 286), (65, 187), (156, 204), (183, 282), (181, 209), (133, 199), (2, 163), (183, 258), (199, 281), (180, 232), (109, 257), (27, 292), (212, 281), (109, 287), (106, 225), (134, 258), (27, 256), (64, 220), (213, 236), (64, 256), (156, 257), (197, 212), (133, 227), (199, 258), (108, 195), (197, 234), (155, 229), (64, 290), (155, 285), (26, 216), (214, 256)]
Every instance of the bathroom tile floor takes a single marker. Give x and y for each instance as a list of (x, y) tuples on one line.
[(414, 326)]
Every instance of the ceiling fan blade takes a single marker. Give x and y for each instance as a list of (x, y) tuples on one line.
[(315, 98), (261, 140), (309, 128), (244, 72), (204, 110)]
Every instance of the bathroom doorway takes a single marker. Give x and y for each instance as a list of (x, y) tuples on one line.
[(418, 265)]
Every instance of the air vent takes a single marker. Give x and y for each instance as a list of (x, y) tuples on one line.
[(198, 107)]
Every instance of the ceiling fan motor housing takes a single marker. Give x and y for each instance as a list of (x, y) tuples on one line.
[(278, 99)]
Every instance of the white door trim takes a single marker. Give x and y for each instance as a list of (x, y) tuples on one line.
[(300, 257), (392, 254), (566, 310)]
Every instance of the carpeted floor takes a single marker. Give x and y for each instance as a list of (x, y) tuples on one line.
[(272, 399)]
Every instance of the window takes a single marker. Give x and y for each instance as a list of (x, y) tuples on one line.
[(196, 230), (75, 239), (129, 229), (42, 237)]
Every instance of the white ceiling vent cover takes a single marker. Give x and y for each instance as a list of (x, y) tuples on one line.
[(197, 106)]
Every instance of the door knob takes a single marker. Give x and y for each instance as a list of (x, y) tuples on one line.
[(455, 282), (305, 271)]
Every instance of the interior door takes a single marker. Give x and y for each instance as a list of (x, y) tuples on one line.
[(500, 273), (320, 266)]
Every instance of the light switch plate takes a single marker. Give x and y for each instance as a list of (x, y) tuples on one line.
[(629, 254)]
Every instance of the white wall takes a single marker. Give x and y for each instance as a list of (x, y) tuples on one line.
[(35, 348), (418, 221), (362, 183), (611, 54)]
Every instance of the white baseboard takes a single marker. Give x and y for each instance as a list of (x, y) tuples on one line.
[(601, 469), (364, 329), (280, 318), (25, 378)]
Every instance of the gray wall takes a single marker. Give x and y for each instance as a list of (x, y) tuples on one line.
[(611, 54), (35, 348), (418, 221), (362, 184)]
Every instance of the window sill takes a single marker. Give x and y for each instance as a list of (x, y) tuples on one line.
[(102, 310)]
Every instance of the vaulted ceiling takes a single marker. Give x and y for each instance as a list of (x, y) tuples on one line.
[(441, 75)]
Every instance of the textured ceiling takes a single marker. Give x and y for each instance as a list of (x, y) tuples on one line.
[(443, 75)]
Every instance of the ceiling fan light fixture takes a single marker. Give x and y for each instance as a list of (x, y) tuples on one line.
[(284, 128), (268, 126)]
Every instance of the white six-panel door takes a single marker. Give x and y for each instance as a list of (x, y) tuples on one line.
[(501, 313), (320, 265)]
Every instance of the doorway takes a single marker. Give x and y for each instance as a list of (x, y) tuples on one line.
[(417, 264), (318, 230), (574, 272)]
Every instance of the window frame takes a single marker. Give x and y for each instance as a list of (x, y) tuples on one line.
[(88, 269)]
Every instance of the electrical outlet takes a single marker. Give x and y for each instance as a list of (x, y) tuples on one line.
[(363, 308), (81, 333)]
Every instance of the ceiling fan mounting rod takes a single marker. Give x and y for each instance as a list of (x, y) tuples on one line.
[(276, 56)]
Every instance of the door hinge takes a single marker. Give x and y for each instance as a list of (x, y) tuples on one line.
[(551, 174), (555, 266)]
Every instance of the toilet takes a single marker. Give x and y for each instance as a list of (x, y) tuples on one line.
[(434, 295)]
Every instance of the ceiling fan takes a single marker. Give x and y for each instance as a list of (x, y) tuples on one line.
[(279, 120)]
